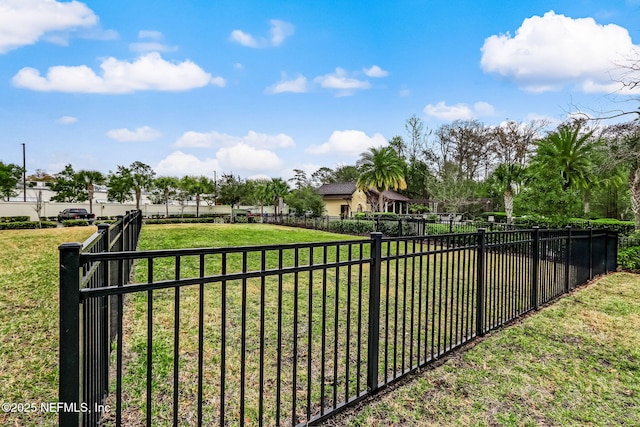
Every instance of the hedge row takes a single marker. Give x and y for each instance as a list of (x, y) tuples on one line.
[(21, 225), (19, 218)]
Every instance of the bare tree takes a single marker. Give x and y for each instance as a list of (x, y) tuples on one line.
[(513, 141), (623, 142), (465, 143)]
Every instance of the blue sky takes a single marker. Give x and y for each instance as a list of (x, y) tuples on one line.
[(259, 88)]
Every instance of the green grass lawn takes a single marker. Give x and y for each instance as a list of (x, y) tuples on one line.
[(29, 319), (574, 363)]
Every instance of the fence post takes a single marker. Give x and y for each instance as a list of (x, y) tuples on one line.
[(374, 312), (480, 312), (535, 267), (69, 386), (451, 224), (567, 260), (590, 253)]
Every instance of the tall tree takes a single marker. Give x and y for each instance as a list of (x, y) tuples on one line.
[(120, 185), (68, 187), (198, 186), (261, 193), (465, 144), (513, 141), (231, 189), (382, 169), (166, 186), (10, 176), (569, 151), (141, 178), (324, 175), (623, 143), (278, 189), (346, 173), (90, 178), (300, 179), (507, 177)]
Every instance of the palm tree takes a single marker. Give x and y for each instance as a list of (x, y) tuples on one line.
[(89, 179), (569, 152), (507, 177), (198, 186), (381, 168), (167, 185), (278, 189)]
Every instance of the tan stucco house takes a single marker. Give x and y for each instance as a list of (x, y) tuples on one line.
[(344, 200)]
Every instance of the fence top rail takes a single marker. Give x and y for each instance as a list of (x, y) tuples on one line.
[(164, 253), (91, 242)]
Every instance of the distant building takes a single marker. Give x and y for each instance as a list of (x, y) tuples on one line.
[(344, 199)]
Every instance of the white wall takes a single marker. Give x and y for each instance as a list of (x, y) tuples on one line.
[(17, 207)]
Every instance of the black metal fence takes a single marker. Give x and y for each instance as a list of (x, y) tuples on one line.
[(88, 326), (290, 334), (401, 225)]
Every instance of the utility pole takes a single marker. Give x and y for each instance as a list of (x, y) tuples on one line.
[(24, 173)]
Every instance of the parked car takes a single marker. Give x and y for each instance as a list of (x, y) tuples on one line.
[(76, 213)]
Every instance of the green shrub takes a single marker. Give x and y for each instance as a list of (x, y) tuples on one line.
[(75, 223), (24, 225), (15, 225), (209, 220), (629, 259), (497, 216), (351, 226), (106, 221), (17, 218)]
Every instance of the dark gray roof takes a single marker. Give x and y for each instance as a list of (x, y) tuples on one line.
[(337, 189), (392, 195), (348, 188)]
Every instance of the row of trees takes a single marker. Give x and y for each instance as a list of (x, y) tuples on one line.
[(577, 169), (129, 182)]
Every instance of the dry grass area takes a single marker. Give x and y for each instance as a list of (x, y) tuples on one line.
[(29, 319)]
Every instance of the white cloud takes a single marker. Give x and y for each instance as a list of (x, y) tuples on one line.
[(297, 85), (375, 71), (240, 159), (279, 31), (247, 158), (243, 38), (67, 120), (180, 164), (148, 72), (150, 34), (443, 111), (144, 133), (553, 51), (24, 22), (349, 143), (341, 82), (216, 139)]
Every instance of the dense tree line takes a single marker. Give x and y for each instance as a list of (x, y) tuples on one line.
[(577, 169)]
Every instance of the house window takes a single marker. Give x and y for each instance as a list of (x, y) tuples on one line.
[(359, 208)]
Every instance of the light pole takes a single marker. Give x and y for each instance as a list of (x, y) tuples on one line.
[(24, 173)]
